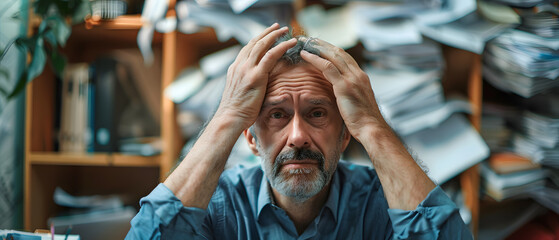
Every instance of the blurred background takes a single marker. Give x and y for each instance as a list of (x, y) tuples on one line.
[(101, 99)]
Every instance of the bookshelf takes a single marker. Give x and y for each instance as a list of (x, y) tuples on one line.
[(102, 173)]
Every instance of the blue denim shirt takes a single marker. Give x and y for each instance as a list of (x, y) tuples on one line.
[(241, 208)]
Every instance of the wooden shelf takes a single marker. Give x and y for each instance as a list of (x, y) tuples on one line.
[(94, 159), (121, 22)]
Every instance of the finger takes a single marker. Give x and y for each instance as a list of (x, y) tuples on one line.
[(247, 48), (328, 69), (263, 45), (273, 55), (340, 58)]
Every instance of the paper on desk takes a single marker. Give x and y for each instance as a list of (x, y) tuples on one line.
[(380, 35), (390, 85), (448, 149), (187, 84), (153, 12), (424, 97), (369, 11), (62, 198), (469, 33), (8, 234), (451, 11), (206, 100), (217, 63), (429, 117), (331, 26)]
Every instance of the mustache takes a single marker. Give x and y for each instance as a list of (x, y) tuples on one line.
[(298, 154)]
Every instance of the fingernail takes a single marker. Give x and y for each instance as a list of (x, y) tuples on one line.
[(304, 51), (273, 25), (284, 28)]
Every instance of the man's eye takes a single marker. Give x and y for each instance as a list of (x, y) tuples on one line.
[(277, 115), (317, 114)]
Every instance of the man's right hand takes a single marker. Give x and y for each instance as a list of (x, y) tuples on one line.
[(247, 77)]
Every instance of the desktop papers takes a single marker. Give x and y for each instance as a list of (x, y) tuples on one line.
[(448, 149)]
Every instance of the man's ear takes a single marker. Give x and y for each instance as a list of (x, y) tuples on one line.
[(345, 139), (251, 140)]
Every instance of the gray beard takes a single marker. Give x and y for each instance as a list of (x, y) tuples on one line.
[(299, 184)]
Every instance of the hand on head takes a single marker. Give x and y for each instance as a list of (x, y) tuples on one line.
[(247, 77), (352, 88)]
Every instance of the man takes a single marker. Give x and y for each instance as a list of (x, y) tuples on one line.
[(297, 111)]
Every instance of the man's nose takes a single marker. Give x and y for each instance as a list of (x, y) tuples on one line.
[(299, 135)]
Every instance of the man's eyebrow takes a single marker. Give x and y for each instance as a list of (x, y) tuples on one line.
[(273, 103), (320, 101)]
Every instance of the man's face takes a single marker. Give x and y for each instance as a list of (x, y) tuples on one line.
[(299, 132)]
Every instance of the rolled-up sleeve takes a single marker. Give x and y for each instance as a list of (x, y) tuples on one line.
[(437, 217), (162, 215)]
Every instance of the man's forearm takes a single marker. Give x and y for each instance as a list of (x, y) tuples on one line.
[(195, 179), (404, 182)]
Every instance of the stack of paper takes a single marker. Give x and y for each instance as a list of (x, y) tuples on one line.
[(542, 24), (407, 86), (406, 82), (504, 186), (522, 63), (469, 33), (540, 184), (495, 125), (226, 23)]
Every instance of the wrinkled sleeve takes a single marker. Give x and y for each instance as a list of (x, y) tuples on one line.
[(162, 216), (437, 217)]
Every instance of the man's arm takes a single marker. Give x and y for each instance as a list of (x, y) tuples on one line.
[(418, 210), (195, 179), (404, 182)]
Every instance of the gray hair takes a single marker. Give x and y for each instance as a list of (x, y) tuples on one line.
[(293, 55)]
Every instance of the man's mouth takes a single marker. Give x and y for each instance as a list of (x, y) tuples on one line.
[(294, 164)]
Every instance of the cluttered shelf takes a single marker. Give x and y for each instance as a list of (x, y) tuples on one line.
[(94, 159)]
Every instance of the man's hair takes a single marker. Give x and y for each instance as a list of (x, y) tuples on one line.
[(293, 55)]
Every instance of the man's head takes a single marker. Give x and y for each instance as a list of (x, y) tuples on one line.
[(299, 132)]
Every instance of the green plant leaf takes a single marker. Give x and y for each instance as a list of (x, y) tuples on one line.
[(42, 7), (49, 36), (38, 62), (60, 29), (20, 85), (58, 62)]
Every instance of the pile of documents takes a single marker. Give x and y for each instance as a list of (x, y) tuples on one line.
[(522, 63), (526, 165), (539, 138), (407, 86), (92, 217), (531, 181)]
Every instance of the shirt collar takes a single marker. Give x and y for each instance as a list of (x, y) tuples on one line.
[(264, 196)]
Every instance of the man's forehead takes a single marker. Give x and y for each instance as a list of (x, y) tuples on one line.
[(298, 76)]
